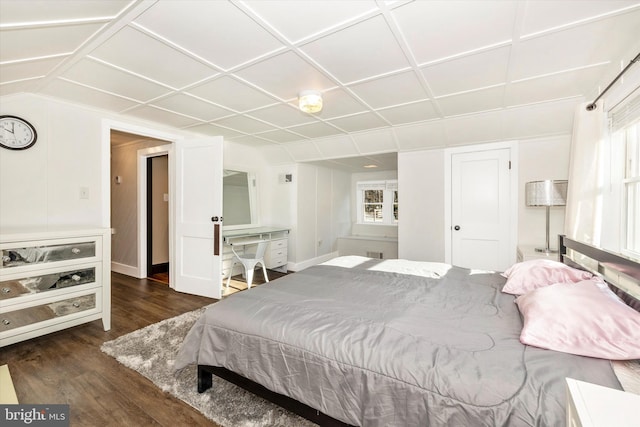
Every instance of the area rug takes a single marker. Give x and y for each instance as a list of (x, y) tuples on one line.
[(151, 351)]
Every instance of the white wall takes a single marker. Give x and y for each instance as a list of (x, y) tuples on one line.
[(41, 186), (421, 211), (421, 233), (540, 159)]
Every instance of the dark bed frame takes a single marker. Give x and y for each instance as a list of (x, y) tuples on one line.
[(609, 265)]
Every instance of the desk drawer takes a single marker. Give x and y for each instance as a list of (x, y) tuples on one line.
[(277, 261)]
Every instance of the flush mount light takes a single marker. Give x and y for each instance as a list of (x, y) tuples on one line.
[(310, 101), (370, 166)]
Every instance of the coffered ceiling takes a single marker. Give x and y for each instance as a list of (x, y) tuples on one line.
[(395, 75)]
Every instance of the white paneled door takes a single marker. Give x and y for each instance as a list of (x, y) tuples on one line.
[(481, 209), (198, 217)]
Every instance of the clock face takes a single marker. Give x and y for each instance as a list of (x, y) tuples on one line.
[(16, 133)]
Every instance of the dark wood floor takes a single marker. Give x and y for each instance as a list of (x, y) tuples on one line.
[(68, 366)]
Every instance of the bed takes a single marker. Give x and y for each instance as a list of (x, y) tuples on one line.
[(359, 341)]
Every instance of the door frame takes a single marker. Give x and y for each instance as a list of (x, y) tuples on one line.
[(107, 126), (513, 205), (143, 155)]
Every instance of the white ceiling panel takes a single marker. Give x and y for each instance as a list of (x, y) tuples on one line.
[(245, 123), (358, 122), (338, 103), (279, 136), (338, 146), (303, 150), (409, 113), (316, 130), (475, 71), (469, 102), (157, 115), (212, 130), (375, 142), (391, 73), (28, 69), (392, 90), (230, 93), (283, 115), (440, 29), (44, 41), (142, 54), (80, 94), (583, 45), (191, 106), (549, 118), (423, 135), (561, 85), (285, 76), (353, 53), (12, 12), (301, 19), (215, 30), (110, 79), (541, 16), (474, 129)]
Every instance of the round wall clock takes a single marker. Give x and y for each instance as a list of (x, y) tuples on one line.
[(16, 133)]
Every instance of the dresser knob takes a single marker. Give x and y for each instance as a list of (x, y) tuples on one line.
[(6, 290), (6, 322), (75, 278), (76, 305), (75, 251)]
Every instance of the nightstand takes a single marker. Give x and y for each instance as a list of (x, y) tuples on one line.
[(591, 405), (528, 252)]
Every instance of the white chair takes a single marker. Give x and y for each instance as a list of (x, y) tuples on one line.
[(249, 262)]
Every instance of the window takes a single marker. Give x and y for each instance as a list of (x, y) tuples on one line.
[(631, 190), (625, 125), (377, 202)]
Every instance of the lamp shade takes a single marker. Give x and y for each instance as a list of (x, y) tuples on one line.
[(546, 193)]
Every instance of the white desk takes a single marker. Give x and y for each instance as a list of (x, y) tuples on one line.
[(276, 256)]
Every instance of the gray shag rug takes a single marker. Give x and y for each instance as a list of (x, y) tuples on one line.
[(151, 351)]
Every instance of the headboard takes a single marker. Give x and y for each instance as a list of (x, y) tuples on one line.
[(622, 274)]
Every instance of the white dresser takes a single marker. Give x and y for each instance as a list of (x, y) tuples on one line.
[(52, 279)]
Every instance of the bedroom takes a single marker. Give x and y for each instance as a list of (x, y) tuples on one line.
[(68, 97)]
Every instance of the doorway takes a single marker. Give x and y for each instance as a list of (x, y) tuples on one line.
[(158, 218)]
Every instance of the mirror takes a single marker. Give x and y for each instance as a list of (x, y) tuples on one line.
[(238, 198)]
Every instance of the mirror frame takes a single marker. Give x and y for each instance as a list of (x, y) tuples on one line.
[(253, 198)]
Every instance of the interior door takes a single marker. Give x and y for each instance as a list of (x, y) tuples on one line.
[(481, 209), (198, 217)]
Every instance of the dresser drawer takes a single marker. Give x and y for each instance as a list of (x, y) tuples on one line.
[(24, 256), (278, 244), (51, 280), (49, 312)]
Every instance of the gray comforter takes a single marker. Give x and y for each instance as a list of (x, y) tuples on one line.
[(377, 348)]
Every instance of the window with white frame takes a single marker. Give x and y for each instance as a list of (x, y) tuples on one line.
[(377, 202), (625, 124)]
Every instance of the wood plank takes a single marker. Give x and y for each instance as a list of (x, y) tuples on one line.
[(68, 366)]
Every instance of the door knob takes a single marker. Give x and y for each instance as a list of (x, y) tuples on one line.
[(457, 227)]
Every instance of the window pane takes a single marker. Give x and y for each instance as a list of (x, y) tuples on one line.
[(373, 196), (633, 151), (395, 206), (373, 212), (633, 214)]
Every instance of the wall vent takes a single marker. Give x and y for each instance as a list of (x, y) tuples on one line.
[(373, 254)]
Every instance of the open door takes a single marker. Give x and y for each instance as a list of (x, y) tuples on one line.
[(197, 215)]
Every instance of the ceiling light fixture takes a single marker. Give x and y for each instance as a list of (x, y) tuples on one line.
[(370, 166), (310, 101)]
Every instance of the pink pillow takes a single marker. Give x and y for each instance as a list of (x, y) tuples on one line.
[(536, 273), (584, 318)]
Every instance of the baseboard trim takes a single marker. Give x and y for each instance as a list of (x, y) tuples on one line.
[(297, 266), (125, 269)]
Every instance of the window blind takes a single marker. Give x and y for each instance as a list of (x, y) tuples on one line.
[(626, 113)]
